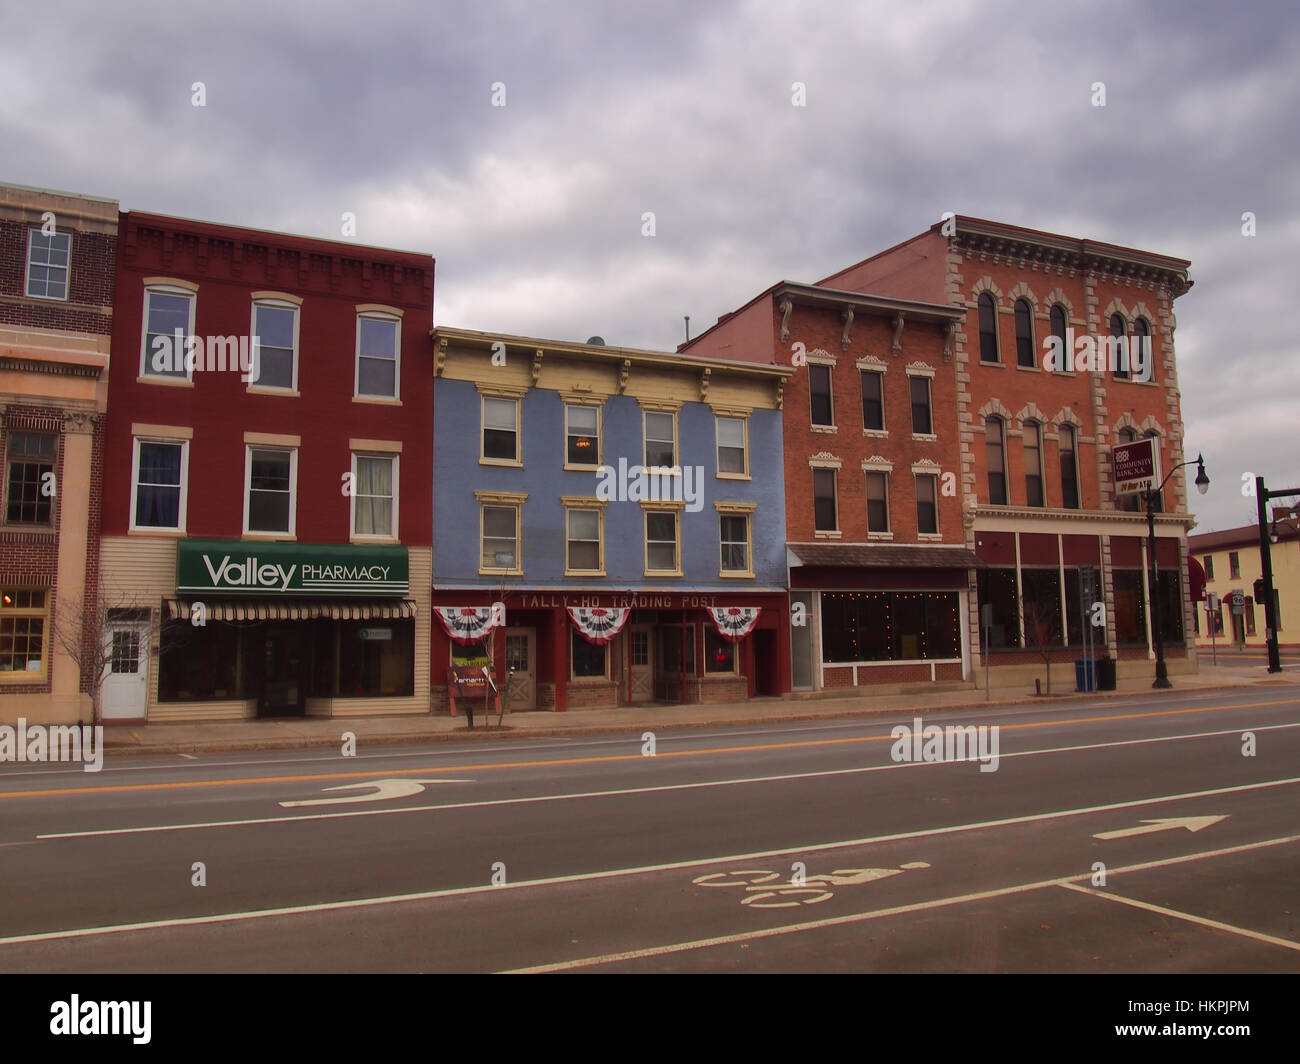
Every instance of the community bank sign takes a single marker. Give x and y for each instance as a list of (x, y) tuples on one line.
[(227, 567)]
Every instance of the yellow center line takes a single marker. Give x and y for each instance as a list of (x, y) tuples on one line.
[(605, 758)]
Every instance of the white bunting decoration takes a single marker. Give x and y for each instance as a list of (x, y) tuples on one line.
[(466, 625), (734, 622), (598, 624)]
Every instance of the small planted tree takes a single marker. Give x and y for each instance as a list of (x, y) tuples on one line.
[(1039, 625)]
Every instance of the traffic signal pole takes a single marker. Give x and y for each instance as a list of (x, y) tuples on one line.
[(1262, 497)]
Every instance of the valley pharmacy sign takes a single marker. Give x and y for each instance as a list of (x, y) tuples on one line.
[(308, 570)]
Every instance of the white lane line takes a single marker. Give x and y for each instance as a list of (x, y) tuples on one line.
[(897, 910), (485, 803), (1191, 918), (586, 877)]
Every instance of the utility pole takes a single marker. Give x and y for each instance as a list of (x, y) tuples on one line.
[(1262, 497)]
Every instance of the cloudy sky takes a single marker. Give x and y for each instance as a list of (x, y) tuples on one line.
[(534, 209)]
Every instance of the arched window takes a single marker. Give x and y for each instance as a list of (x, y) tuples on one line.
[(1034, 464), (1059, 322), (1119, 349), (988, 328), (995, 453), (1141, 356), (1069, 468), (1024, 333)]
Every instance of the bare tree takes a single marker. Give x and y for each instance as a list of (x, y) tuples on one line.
[(84, 627), (1039, 621)]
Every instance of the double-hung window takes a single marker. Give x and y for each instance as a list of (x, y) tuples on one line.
[(275, 345), (168, 333), (733, 455), (379, 343), (272, 478), (584, 542), (663, 542), (500, 439), (48, 260), (374, 495), (581, 436), (873, 400), (927, 504), (922, 419), (819, 390), (660, 440), (500, 549), (877, 502), (825, 516), (159, 484), (31, 489)]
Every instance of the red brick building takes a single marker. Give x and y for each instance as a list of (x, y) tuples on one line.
[(876, 546), (1037, 485), (57, 253), (267, 525)]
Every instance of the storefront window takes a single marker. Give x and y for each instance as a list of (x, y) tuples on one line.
[(670, 649), (198, 664), (588, 659), (719, 653), (1078, 618), (376, 658), (1130, 608), (889, 626), (997, 588), (1042, 607)]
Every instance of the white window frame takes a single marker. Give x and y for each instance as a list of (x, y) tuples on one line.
[(377, 315), (276, 304), (717, 441), (135, 482), (166, 290), (249, 448), (747, 517), (392, 534), (27, 273)]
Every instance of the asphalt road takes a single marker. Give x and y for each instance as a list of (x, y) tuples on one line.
[(779, 848)]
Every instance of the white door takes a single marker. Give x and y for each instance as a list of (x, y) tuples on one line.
[(521, 658), (124, 694)]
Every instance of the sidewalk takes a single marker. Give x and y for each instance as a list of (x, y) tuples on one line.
[(304, 733)]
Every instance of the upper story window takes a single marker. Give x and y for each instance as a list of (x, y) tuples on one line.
[(499, 548), (48, 260), (374, 495), (275, 327), (159, 484), (1024, 334), (819, 391), (168, 327), (922, 421), (988, 315), (733, 454), (825, 517), (1119, 346), (996, 459), (1069, 468), (1234, 565), (733, 537), (663, 542), (581, 436), (584, 542), (1131, 503), (873, 400), (877, 502), (500, 442), (1034, 464), (31, 489), (1209, 567), (1141, 356), (272, 478), (927, 504), (660, 429), (1059, 323), (378, 355)]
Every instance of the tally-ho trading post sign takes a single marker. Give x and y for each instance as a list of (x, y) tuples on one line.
[(1136, 466), (227, 567)]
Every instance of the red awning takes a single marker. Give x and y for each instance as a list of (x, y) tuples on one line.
[(1195, 579)]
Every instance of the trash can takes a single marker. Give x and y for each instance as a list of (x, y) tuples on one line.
[(1105, 674), (1085, 675)]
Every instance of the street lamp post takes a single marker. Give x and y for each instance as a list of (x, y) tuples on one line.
[(1153, 594)]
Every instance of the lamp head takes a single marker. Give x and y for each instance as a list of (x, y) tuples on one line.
[(1202, 481)]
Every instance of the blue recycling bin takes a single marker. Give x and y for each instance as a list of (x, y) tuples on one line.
[(1085, 674)]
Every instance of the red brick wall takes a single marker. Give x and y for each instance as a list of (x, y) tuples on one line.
[(90, 283), (230, 264)]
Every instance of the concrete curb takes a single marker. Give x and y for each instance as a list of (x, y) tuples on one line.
[(652, 719)]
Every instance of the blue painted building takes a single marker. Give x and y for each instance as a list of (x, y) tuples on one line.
[(645, 486)]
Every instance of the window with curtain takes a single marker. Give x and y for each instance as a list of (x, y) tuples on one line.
[(372, 501)]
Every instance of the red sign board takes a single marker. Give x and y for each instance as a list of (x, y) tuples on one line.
[(1136, 466)]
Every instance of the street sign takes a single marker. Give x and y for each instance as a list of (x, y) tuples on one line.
[(1136, 466), (1238, 602)]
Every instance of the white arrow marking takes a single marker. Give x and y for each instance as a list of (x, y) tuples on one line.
[(1191, 823), (384, 789)]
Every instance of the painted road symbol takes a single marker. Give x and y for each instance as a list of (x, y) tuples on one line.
[(385, 789), (766, 890), (1191, 823)]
